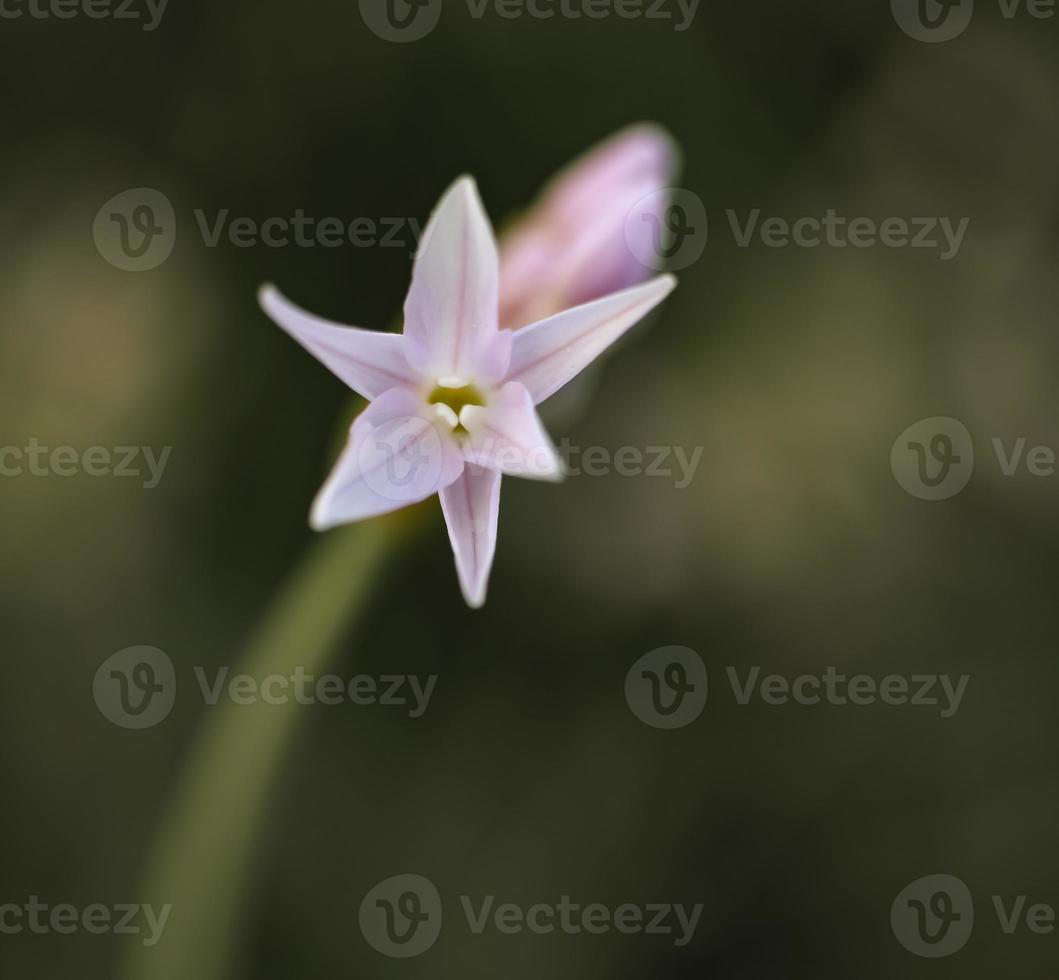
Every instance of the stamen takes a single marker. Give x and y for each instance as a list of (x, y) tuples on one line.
[(446, 414), (465, 413)]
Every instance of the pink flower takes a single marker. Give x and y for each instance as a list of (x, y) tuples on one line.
[(452, 398), (590, 229)]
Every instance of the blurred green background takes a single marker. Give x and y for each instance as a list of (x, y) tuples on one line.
[(794, 548)]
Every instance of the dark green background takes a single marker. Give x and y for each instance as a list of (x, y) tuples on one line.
[(793, 549)]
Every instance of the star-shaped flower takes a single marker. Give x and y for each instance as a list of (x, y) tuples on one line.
[(452, 398)]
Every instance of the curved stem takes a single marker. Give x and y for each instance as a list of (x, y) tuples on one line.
[(212, 828)]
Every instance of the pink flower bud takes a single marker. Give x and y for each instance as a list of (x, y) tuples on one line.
[(581, 239)]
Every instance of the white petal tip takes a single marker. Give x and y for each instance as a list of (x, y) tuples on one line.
[(653, 291), (317, 520), (463, 186), (320, 520), (267, 293), (666, 283), (661, 140), (550, 472), (322, 516), (466, 187)]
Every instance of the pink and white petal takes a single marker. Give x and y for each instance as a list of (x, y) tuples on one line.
[(549, 353), (507, 435), (368, 361), (471, 506), (452, 304), (397, 454), (494, 359), (604, 255)]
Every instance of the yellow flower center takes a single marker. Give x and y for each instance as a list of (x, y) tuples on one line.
[(455, 400)]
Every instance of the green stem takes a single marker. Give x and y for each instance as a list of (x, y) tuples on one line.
[(213, 827)]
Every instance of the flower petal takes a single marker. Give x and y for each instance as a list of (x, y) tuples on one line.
[(451, 308), (549, 353), (368, 361), (471, 506), (507, 435), (397, 455)]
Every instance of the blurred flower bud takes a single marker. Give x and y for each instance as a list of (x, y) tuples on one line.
[(571, 246)]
